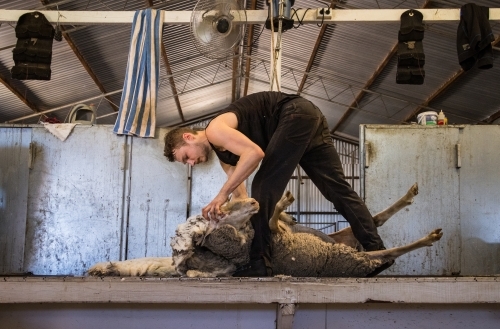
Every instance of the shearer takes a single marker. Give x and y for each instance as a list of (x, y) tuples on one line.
[(279, 131)]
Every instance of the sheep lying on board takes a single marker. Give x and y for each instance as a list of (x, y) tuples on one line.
[(201, 248), (208, 249)]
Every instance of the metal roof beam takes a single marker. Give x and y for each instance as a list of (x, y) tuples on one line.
[(253, 16), (64, 106)]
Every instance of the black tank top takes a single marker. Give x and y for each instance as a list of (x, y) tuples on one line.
[(258, 115)]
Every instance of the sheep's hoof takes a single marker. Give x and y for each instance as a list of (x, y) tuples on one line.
[(434, 236), (103, 269), (411, 193), (286, 200)]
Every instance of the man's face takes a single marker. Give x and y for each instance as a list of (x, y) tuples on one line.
[(192, 153)]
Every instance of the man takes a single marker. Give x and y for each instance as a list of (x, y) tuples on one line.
[(282, 131)]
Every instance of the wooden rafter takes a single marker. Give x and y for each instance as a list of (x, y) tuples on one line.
[(179, 17), (319, 39), (171, 81), (367, 85), (82, 60), (168, 68), (8, 85), (235, 80), (434, 95), (445, 87), (87, 67), (371, 80), (248, 60)]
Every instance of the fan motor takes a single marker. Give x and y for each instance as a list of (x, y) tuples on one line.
[(222, 25)]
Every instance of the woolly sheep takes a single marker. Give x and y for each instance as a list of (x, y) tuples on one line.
[(200, 248), (208, 249), (303, 254)]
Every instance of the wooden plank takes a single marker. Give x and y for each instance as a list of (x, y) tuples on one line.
[(283, 290), (253, 16)]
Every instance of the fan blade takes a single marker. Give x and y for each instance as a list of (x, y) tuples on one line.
[(216, 26)]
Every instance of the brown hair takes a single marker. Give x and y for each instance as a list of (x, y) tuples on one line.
[(173, 140)]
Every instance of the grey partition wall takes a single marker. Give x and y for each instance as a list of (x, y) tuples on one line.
[(75, 200), (15, 160), (65, 205), (456, 170), (480, 200), (158, 194)]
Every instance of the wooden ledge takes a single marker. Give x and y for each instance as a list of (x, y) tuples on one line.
[(283, 290)]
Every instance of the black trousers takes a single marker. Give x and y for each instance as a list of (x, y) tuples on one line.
[(302, 137)]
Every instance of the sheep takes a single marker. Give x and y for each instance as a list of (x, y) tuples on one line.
[(200, 247), (303, 254), (207, 249)]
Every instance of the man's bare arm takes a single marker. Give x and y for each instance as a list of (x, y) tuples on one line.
[(222, 133), (240, 192)]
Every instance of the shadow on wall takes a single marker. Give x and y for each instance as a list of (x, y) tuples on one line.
[(479, 254)]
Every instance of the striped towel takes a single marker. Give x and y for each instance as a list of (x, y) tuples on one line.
[(137, 113)]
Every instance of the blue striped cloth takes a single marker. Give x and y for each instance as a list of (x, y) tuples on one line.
[(137, 113)]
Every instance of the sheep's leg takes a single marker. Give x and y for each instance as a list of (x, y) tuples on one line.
[(404, 201), (148, 266), (394, 253), (282, 204), (346, 237)]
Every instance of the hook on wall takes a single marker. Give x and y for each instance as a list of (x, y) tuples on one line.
[(58, 32)]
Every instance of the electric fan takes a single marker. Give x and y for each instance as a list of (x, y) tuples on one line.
[(217, 27)]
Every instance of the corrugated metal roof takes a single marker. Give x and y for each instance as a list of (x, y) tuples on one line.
[(93, 62)]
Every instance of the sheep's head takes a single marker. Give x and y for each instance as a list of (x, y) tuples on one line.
[(239, 212)]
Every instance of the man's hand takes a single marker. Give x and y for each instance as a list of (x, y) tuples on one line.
[(212, 210)]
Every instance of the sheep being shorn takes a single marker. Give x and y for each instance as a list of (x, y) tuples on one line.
[(208, 249), (303, 254), (200, 248)]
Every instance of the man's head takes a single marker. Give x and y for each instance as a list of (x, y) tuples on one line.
[(186, 145)]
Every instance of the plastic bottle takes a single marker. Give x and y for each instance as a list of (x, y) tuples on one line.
[(441, 121)]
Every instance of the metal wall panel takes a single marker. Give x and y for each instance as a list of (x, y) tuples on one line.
[(479, 200), (133, 316), (396, 158), (74, 201), (14, 166), (158, 198), (248, 316)]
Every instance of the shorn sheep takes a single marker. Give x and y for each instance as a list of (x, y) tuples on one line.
[(204, 248)]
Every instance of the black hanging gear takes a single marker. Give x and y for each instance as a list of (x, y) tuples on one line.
[(33, 51), (411, 57), (474, 37)]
